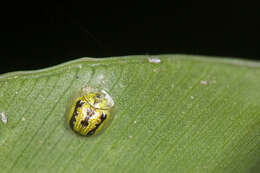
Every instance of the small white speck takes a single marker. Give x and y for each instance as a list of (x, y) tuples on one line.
[(203, 82), (130, 137), (134, 122), (3, 117), (16, 77), (154, 60), (23, 119), (80, 66), (16, 92), (192, 97)]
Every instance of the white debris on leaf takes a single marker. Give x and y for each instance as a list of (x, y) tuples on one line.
[(3, 117), (23, 119), (154, 60), (203, 82)]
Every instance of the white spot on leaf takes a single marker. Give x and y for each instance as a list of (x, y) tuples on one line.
[(203, 82), (3, 117), (154, 60)]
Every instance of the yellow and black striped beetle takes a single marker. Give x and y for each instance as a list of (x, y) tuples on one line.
[(89, 112)]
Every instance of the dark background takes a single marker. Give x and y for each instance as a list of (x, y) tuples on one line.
[(39, 35)]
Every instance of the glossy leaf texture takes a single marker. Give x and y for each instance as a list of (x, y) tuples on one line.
[(173, 113)]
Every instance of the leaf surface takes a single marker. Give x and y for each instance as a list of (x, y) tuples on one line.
[(173, 113)]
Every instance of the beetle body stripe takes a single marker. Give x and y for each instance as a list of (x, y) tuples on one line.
[(79, 104)]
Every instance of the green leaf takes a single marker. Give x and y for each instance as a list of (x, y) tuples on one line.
[(180, 114)]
